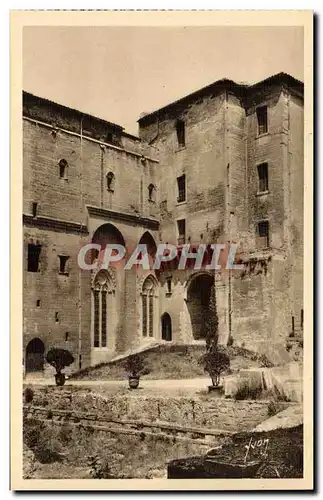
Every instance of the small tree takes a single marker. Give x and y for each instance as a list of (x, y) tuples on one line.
[(216, 360), (211, 324), (59, 359), (135, 366)]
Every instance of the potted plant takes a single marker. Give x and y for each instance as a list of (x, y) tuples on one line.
[(216, 360), (135, 367), (59, 359)]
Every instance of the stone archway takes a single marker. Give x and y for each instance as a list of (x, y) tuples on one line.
[(166, 324), (151, 248), (200, 304), (35, 355), (107, 234)]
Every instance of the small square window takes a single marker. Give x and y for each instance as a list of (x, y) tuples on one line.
[(181, 228), (262, 177), (33, 258), (34, 209), (181, 186), (180, 131), (262, 120), (63, 264), (263, 234)]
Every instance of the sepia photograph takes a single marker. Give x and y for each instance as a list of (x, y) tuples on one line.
[(162, 329)]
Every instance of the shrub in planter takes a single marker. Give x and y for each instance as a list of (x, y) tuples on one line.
[(216, 360), (135, 367), (29, 395), (59, 359)]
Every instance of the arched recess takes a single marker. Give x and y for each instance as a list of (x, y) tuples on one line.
[(107, 234), (200, 303), (34, 355), (149, 307), (102, 307), (148, 240), (166, 327)]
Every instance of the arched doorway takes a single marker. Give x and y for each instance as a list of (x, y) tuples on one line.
[(201, 304), (35, 355), (166, 327)]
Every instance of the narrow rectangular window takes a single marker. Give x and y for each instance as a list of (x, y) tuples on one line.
[(96, 319), (66, 336), (262, 120), (180, 131), (63, 264), (144, 315), (33, 258), (181, 231), (104, 319), (302, 318), (169, 285), (262, 177), (38, 303), (34, 209), (151, 315), (263, 234), (181, 185)]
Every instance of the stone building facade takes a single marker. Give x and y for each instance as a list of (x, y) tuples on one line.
[(224, 164)]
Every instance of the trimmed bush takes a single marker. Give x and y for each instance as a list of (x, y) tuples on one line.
[(59, 358), (215, 362), (135, 366), (28, 394)]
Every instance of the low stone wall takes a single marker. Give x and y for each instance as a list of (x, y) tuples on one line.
[(215, 413), (130, 434)]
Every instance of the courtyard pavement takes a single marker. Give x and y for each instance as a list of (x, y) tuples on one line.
[(167, 387)]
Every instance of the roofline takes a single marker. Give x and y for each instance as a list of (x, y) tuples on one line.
[(75, 111), (225, 83)]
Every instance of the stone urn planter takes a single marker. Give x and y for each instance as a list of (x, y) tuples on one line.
[(216, 389), (60, 379), (133, 382)]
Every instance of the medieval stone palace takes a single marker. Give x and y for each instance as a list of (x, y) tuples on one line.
[(223, 164)]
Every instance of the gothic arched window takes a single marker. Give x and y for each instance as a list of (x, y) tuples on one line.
[(101, 291), (110, 181), (149, 297), (63, 166), (151, 192)]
